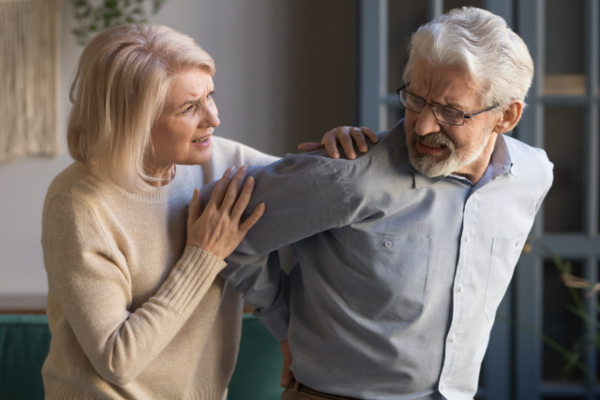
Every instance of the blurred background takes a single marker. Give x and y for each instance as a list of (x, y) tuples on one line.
[(290, 70)]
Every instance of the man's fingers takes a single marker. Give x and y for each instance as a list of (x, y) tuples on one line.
[(234, 189), (359, 139), (370, 134), (309, 146), (286, 378), (253, 219), (286, 374)]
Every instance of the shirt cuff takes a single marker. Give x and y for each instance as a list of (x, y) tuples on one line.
[(276, 321)]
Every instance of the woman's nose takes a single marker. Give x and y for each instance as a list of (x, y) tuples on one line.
[(426, 122), (210, 119)]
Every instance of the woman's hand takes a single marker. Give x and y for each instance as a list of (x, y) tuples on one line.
[(218, 228), (346, 136)]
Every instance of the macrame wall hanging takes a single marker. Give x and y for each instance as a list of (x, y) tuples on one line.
[(29, 50)]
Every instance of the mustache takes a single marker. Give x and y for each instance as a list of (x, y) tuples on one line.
[(436, 138)]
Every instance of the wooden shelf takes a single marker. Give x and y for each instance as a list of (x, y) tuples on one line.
[(564, 84)]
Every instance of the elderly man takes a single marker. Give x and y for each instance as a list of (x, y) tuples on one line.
[(404, 254)]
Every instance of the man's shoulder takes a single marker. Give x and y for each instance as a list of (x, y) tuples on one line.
[(529, 162), (390, 149)]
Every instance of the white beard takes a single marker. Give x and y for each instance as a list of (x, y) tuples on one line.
[(432, 166)]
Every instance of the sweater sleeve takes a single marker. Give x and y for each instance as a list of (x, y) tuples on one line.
[(89, 278)]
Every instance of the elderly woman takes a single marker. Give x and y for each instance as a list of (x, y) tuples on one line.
[(135, 304)]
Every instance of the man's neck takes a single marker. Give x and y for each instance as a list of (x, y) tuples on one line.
[(474, 171)]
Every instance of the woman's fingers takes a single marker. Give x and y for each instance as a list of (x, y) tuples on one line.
[(195, 208), (330, 141), (243, 199), (359, 140), (253, 218), (342, 135), (310, 146), (370, 134), (219, 192), (234, 189)]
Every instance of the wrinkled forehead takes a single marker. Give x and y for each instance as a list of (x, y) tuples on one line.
[(187, 85), (445, 84)]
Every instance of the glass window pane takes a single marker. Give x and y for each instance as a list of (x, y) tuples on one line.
[(395, 114), (564, 47), (450, 4), (563, 207), (404, 18), (563, 330)]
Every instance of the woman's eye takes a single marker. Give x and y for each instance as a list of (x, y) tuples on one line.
[(189, 109)]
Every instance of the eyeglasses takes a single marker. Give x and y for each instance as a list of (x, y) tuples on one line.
[(445, 114)]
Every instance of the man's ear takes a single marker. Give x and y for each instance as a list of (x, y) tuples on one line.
[(509, 117)]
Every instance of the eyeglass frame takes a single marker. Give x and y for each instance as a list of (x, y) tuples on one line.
[(465, 116)]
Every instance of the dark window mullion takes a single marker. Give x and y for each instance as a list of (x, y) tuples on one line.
[(592, 47)]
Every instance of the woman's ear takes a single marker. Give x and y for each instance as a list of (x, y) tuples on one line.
[(509, 117)]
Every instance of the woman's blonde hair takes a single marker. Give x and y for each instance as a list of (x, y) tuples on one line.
[(118, 92)]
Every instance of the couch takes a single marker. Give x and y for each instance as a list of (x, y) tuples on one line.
[(25, 340)]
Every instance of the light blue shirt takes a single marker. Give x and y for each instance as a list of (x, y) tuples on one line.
[(397, 276)]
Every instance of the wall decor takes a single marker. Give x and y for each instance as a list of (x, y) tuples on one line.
[(29, 46), (93, 17)]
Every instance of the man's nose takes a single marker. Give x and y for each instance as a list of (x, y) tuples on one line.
[(426, 122)]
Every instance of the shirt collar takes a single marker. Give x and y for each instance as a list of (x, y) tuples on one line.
[(500, 164)]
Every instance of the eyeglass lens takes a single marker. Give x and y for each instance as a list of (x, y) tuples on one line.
[(442, 113)]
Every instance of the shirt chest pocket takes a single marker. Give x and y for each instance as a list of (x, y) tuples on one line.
[(505, 254), (387, 275)]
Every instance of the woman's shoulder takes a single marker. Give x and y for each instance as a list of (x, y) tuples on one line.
[(229, 152), (75, 181)]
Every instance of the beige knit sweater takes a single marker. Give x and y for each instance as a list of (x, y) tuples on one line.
[(134, 312)]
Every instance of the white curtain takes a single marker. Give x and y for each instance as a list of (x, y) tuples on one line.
[(29, 51)]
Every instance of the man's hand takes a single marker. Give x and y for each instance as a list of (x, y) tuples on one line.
[(286, 375)]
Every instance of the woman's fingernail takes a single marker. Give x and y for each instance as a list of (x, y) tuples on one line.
[(336, 155), (251, 180), (363, 148)]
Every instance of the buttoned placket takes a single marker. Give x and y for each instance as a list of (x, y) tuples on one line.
[(460, 302)]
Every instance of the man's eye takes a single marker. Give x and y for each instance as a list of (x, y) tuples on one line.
[(449, 113), (414, 101)]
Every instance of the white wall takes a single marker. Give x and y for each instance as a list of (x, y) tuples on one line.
[(284, 75)]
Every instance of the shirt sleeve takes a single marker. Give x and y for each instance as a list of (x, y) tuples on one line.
[(88, 278), (304, 194)]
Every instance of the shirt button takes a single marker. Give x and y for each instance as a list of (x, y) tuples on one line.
[(442, 386), (460, 289), (453, 338), (467, 238), (388, 244)]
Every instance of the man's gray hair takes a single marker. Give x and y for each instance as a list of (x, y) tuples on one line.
[(496, 57)]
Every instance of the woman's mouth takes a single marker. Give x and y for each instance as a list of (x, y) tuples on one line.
[(202, 142)]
